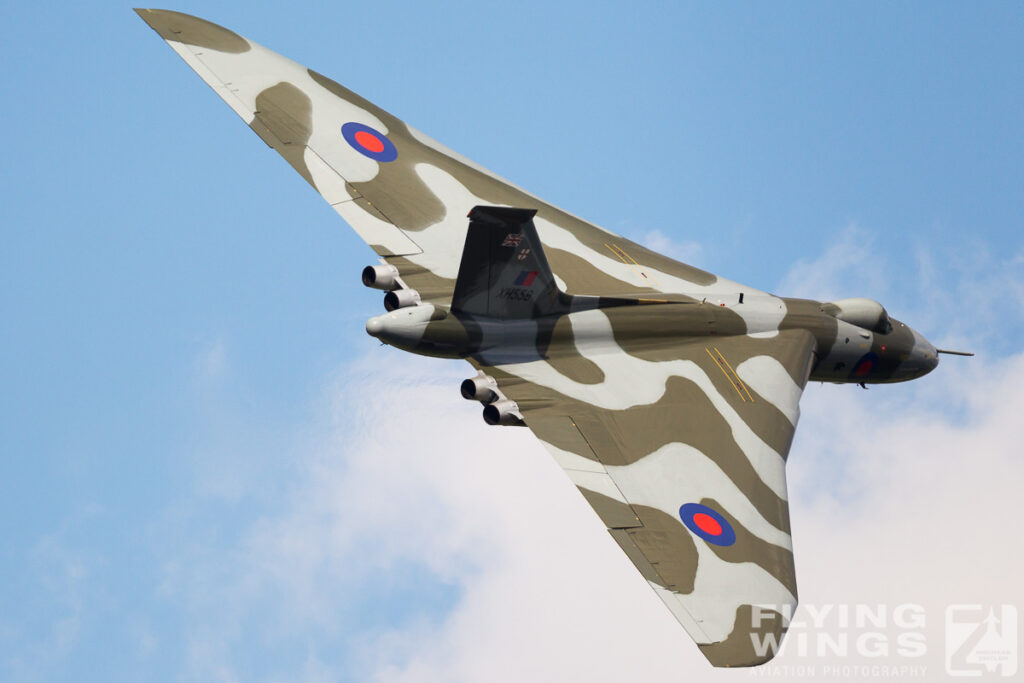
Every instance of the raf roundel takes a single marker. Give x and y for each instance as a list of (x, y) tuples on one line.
[(369, 142), (707, 523), (864, 366)]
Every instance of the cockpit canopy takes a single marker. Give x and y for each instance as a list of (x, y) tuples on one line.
[(862, 312)]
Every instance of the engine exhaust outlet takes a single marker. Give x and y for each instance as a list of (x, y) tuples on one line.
[(400, 298)]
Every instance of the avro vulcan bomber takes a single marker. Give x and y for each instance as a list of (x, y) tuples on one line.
[(668, 395)]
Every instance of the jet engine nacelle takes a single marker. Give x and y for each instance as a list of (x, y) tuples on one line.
[(503, 412), (862, 312), (481, 388), (381, 277), (400, 298)]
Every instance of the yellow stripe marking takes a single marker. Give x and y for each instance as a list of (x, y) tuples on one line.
[(744, 386), (618, 255), (727, 377), (621, 254)]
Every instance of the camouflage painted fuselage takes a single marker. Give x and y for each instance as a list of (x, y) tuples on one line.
[(843, 352)]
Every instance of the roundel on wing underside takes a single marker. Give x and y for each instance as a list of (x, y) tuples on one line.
[(369, 142), (707, 523)]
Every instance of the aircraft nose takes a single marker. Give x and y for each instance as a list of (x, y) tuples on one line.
[(923, 357)]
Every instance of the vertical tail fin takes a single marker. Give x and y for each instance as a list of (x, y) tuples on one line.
[(504, 273)]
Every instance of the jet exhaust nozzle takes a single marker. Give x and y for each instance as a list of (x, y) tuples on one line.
[(400, 298), (381, 277), (481, 388), (504, 412)]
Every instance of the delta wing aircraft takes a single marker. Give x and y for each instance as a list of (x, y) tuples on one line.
[(668, 395)]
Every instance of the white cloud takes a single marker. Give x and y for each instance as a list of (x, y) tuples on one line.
[(687, 252), (64, 569), (850, 266), (899, 498), (973, 294)]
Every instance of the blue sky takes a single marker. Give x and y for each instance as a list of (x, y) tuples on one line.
[(187, 489)]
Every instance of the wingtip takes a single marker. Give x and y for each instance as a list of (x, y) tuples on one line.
[(745, 660), (755, 639), (190, 30)]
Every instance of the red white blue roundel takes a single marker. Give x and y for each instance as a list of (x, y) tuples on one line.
[(707, 523), (369, 142), (865, 365)]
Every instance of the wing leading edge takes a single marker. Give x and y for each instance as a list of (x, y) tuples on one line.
[(404, 193)]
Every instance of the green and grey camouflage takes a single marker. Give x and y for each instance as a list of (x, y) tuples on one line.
[(667, 394)]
